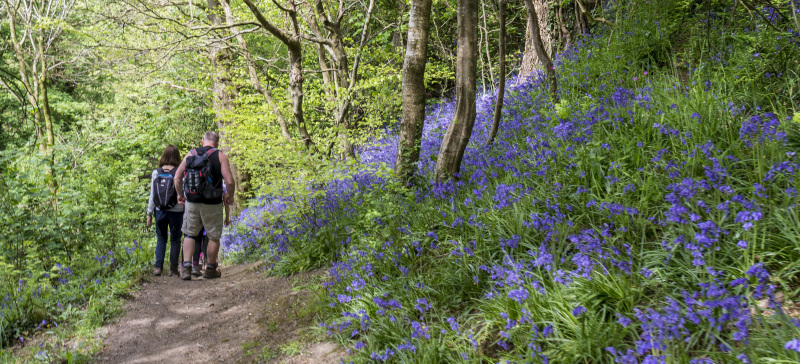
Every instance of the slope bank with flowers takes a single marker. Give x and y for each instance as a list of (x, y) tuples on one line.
[(650, 216)]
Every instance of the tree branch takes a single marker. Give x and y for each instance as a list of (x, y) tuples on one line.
[(224, 26), (285, 10), (316, 39), (277, 32), (357, 59), (176, 87), (591, 18)]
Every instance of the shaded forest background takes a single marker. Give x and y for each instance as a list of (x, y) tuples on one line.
[(348, 118)]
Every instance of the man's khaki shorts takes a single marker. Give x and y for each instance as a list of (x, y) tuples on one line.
[(199, 215)]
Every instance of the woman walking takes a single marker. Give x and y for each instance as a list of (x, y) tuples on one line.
[(168, 212)]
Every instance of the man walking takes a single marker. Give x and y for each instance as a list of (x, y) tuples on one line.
[(198, 182)]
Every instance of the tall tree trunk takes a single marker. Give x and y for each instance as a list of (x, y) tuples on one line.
[(313, 25), (45, 105), (292, 42), (220, 59), (486, 43), (336, 48), (330, 85), (50, 138), (335, 45), (531, 57), (397, 32), (33, 76), (458, 133), (251, 70), (579, 19), (566, 37), (296, 91), (409, 143), (501, 87), (539, 46), (223, 96)]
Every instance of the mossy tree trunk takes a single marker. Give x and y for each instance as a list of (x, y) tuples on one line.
[(223, 97), (530, 57), (540, 48), (455, 141), (409, 143)]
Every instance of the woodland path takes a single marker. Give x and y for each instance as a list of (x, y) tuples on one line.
[(243, 317)]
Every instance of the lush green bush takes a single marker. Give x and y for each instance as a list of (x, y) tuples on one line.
[(63, 251)]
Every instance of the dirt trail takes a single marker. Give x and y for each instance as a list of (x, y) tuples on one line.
[(242, 317)]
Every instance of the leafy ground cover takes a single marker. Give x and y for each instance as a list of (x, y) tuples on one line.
[(58, 310), (649, 216), (67, 261)]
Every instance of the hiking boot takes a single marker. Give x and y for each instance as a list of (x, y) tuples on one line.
[(212, 273), (196, 271), (186, 273), (173, 272), (157, 272)]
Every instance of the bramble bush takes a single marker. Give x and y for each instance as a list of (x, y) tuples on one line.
[(647, 217)]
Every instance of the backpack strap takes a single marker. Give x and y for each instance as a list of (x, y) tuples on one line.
[(211, 151)]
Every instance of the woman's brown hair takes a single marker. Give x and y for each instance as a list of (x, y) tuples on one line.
[(170, 157)]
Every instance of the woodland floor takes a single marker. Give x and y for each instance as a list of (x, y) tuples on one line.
[(243, 317)]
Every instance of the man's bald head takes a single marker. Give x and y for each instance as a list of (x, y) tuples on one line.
[(211, 139)]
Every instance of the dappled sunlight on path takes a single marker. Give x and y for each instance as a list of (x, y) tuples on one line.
[(242, 317)]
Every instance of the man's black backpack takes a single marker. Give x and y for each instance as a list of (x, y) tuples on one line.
[(198, 184), (164, 194)]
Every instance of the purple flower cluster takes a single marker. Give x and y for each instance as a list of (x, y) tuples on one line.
[(553, 204), (761, 128)]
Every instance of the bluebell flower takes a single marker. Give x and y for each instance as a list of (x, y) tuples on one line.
[(419, 330), (738, 282), (519, 295), (793, 344), (622, 320), (407, 346)]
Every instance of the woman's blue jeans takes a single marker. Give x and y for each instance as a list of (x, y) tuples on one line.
[(168, 225)]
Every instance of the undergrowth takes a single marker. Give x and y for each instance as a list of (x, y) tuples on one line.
[(650, 216), (67, 260)]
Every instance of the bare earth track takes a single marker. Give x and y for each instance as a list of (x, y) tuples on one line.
[(242, 317)]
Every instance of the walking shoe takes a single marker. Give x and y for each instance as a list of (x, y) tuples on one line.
[(173, 272), (186, 273), (196, 271), (212, 273), (157, 272)]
